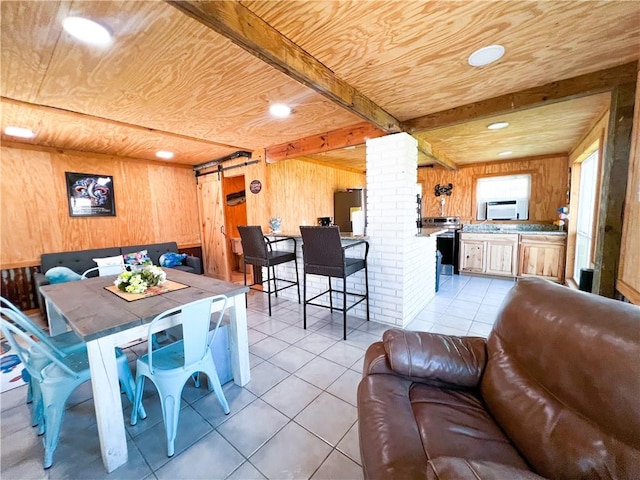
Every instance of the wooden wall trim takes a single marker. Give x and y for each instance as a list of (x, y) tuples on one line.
[(629, 292), (615, 171)]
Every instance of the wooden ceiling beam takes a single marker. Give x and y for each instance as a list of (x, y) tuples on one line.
[(559, 91), (324, 142), (439, 157), (250, 32)]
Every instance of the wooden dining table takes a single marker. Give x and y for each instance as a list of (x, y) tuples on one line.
[(104, 320)]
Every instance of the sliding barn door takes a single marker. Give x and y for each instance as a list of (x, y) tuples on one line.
[(214, 241)]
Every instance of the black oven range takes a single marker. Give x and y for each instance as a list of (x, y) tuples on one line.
[(447, 242)]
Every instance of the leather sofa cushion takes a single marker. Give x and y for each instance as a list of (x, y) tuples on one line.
[(449, 468), (441, 359), (563, 381), (404, 424)]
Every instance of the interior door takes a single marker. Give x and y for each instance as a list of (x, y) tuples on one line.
[(214, 241)]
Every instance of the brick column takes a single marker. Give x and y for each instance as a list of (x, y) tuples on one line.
[(402, 266)]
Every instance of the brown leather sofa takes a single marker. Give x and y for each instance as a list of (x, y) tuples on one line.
[(553, 392)]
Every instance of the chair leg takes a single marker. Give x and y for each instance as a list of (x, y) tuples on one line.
[(137, 399), (244, 269), (304, 303), (275, 285), (295, 261), (54, 398), (366, 287), (330, 296), (344, 307), (215, 385), (170, 413), (269, 288), (129, 385)]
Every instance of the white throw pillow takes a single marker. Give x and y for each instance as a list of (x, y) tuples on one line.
[(110, 265)]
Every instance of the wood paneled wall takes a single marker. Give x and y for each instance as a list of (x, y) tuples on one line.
[(302, 191), (549, 184), (629, 273), (155, 202)]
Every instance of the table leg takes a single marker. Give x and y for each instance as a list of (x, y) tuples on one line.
[(239, 341), (107, 402), (57, 325)]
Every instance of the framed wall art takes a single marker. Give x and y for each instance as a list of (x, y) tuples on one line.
[(90, 195)]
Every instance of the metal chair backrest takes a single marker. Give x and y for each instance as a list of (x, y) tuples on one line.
[(195, 321), (253, 242), (26, 324), (321, 246), (25, 346)]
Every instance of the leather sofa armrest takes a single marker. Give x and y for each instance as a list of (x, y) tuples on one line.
[(435, 358), (375, 360), (195, 263), (452, 468)]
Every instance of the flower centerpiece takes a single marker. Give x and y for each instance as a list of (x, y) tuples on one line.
[(275, 223), (139, 278)]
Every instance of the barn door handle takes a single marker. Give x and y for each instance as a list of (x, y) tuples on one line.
[(222, 231)]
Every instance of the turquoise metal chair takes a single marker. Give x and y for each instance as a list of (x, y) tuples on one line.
[(67, 342), (54, 376), (169, 367)]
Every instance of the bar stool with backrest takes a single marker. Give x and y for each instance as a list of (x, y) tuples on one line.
[(258, 251), (325, 255)]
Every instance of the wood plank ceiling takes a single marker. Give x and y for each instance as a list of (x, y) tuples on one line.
[(170, 82)]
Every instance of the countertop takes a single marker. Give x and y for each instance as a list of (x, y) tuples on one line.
[(430, 231), (297, 235), (522, 228)]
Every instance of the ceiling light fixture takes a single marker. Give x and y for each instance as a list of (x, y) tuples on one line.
[(497, 125), (87, 31), (280, 110), (486, 55), (505, 153), (165, 155), (19, 132)]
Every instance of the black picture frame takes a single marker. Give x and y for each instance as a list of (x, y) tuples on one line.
[(90, 195)]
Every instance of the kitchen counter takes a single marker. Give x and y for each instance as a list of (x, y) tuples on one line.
[(298, 236), (430, 231), (522, 228)]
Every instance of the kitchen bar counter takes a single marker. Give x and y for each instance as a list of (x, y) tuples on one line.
[(430, 231)]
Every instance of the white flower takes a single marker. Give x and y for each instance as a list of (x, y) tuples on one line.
[(140, 278)]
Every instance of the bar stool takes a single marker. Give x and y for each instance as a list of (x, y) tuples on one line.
[(258, 251), (325, 255)]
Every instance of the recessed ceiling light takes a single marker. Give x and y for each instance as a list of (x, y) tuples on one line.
[(19, 132), (486, 55), (87, 31), (497, 125), (505, 153), (164, 154), (280, 110)]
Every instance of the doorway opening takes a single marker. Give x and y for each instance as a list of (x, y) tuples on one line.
[(235, 213)]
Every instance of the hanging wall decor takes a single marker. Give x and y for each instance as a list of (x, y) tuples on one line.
[(443, 190), (90, 195)]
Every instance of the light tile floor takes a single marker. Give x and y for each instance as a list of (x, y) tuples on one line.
[(297, 418)]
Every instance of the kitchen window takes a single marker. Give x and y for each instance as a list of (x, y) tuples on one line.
[(503, 187)]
